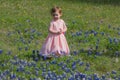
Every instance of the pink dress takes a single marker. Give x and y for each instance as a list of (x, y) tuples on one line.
[(55, 43)]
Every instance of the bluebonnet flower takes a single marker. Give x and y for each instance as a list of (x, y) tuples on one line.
[(9, 52), (74, 63), (81, 75), (68, 61), (26, 30), (95, 33), (78, 33), (115, 40), (71, 78), (37, 69), (109, 26), (92, 31), (33, 64), (19, 48), (32, 78), (31, 37), (18, 31), (54, 74), (102, 33), (103, 77), (89, 51), (39, 33), (73, 35), (7, 72), (26, 48), (29, 64), (89, 78), (53, 62), (64, 75), (20, 78), (28, 20), (110, 40), (20, 69), (115, 77), (49, 74), (33, 54), (87, 64), (15, 57), (82, 50), (36, 59), (114, 72), (67, 70), (29, 41), (63, 67), (108, 73), (36, 73), (118, 33), (97, 53), (73, 22), (118, 28), (73, 67), (9, 34), (27, 72), (2, 65), (81, 63), (86, 35), (77, 75), (95, 77), (96, 47), (60, 64), (44, 58), (98, 40), (43, 74), (33, 30), (62, 52), (1, 51), (77, 61), (47, 64), (1, 76), (75, 52), (12, 76)]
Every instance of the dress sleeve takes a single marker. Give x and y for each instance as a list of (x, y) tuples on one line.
[(64, 27), (51, 28)]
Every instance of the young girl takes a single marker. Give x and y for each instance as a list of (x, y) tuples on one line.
[(55, 43)]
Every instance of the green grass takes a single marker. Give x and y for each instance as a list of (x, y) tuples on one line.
[(79, 15)]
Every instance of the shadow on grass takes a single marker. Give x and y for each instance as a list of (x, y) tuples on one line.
[(35, 56), (98, 2)]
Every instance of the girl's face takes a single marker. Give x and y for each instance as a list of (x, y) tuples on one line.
[(56, 15)]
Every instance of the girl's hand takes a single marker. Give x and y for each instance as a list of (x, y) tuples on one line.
[(60, 31)]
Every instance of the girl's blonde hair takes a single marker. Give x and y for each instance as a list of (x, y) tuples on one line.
[(55, 9)]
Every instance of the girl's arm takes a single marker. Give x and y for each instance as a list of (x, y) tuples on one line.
[(51, 29)]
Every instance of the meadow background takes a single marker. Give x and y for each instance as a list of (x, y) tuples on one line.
[(93, 36)]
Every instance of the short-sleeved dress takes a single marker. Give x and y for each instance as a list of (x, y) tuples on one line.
[(55, 43)]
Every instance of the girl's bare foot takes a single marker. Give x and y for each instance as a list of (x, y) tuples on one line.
[(57, 54)]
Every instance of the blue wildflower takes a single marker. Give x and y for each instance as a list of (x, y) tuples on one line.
[(103, 77), (114, 72), (1, 51), (109, 26), (118, 33), (81, 63)]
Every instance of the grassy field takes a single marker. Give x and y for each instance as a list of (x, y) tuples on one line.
[(93, 36)]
